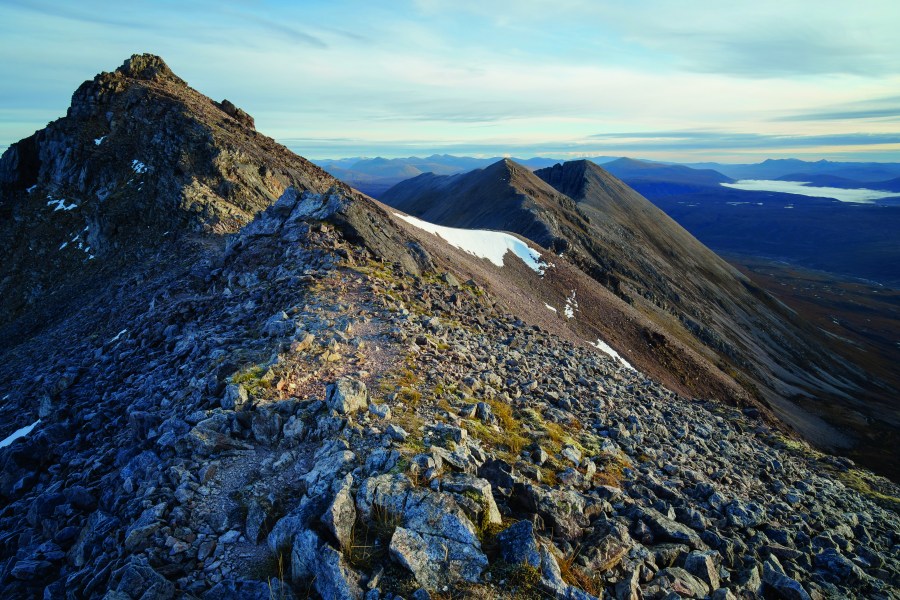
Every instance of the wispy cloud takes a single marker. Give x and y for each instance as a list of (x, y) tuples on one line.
[(492, 77), (876, 108), (289, 32), (690, 140)]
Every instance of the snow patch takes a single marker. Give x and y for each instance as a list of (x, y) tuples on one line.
[(118, 335), (138, 167), (549, 307), (607, 349), (60, 204), (99, 140), (571, 306), (19, 433), (492, 245), (32, 188)]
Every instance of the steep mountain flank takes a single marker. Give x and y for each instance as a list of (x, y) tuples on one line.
[(338, 400), (624, 242)]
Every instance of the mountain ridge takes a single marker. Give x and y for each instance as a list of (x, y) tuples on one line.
[(624, 242), (324, 398)]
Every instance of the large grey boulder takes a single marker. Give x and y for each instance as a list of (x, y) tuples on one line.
[(666, 530), (315, 561), (476, 489), (137, 579), (347, 396), (329, 461), (562, 510), (434, 539), (518, 545), (775, 579), (678, 580), (703, 565), (340, 515), (433, 560)]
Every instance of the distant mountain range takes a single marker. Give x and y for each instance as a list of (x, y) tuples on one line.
[(859, 241), (780, 168), (375, 175)]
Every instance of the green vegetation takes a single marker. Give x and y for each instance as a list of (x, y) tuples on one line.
[(869, 485), (256, 379), (369, 540), (610, 469), (281, 592), (521, 581)]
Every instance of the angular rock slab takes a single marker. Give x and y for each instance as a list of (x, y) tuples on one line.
[(434, 539), (340, 515), (436, 561), (518, 545), (313, 560), (347, 396), (462, 483)]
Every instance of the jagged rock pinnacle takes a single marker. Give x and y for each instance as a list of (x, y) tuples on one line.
[(147, 66)]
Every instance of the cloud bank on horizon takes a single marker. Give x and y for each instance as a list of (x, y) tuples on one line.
[(684, 81)]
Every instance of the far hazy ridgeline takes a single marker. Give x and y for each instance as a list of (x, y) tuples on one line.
[(794, 215)]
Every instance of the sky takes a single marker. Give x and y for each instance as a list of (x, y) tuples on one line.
[(682, 80)]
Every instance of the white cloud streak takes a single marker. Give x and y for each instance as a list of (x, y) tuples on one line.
[(525, 73)]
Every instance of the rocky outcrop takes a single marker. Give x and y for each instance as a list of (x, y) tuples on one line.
[(140, 161)]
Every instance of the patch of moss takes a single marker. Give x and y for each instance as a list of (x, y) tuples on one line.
[(611, 469), (870, 485), (255, 379), (521, 581), (409, 396), (507, 444), (575, 575)]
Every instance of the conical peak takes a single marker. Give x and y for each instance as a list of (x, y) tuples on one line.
[(90, 95), (504, 164)]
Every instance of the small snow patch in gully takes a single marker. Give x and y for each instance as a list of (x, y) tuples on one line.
[(607, 349), (571, 306), (60, 204), (19, 433)]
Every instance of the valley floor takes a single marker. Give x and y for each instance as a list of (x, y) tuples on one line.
[(862, 320)]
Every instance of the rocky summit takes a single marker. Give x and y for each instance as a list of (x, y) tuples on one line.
[(299, 393)]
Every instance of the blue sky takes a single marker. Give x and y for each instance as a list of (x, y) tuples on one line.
[(669, 80)]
